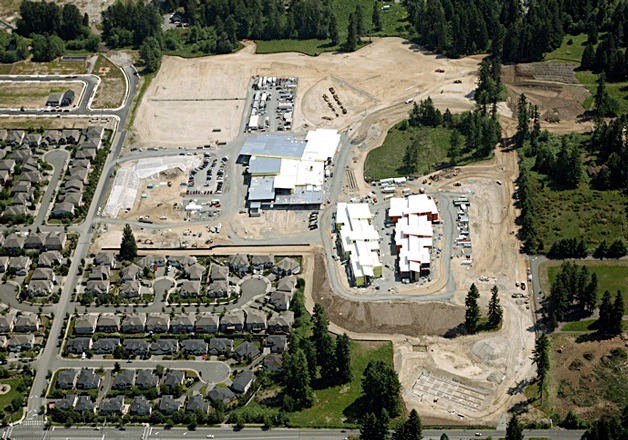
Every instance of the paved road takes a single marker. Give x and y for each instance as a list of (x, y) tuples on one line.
[(158, 433)]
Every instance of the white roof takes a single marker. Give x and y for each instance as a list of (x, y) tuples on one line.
[(414, 204), (358, 238), (322, 144)]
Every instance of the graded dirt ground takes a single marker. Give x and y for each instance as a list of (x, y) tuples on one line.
[(586, 377), (191, 97), (34, 95), (111, 91)]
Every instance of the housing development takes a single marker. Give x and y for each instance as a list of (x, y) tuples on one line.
[(313, 219)]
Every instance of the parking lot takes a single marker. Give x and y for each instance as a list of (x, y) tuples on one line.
[(205, 185), (272, 104)]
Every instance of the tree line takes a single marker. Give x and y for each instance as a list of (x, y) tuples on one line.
[(54, 29), (473, 315), (13, 47), (473, 133)]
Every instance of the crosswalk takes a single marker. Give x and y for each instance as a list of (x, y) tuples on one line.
[(33, 422)]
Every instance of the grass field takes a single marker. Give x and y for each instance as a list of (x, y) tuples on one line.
[(51, 68), (5, 69), (30, 95), (336, 407), (582, 212), (569, 52), (586, 325), (394, 23), (611, 275), (5, 399), (111, 91), (387, 160), (617, 91)]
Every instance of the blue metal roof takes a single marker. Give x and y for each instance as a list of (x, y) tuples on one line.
[(264, 165), (272, 145)]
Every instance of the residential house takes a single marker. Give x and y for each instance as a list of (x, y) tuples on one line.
[(239, 264), (66, 379), (169, 404), (79, 173), (218, 289), (6, 323), (255, 320), (197, 402), (220, 346), (261, 262), (112, 406), (70, 137), (51, 137), (22, 187), (32, 177), (88, 380), (219, 273), (4, 264), (281, 323), (221, 393), (13, 243), (134, 323), (15, 137), (44, 274), (182, 323), (56, 241), (108, 323), (277, 343), (287, 266), (49, 259), (105, 259), (19, 343), (151, 261), (273, 362), (136, 347), (62, 209), (85, 324), (66, 402), (280, 300), (140, 406), (97, 287), (131, 272), (40, 288), (7, 165), (195, 272), (79, 345), (242, 382), (146, 380), (164, 347), (181, 261), (34, 241), (105, 345), (196, 347), (129, 289), (100, 273), (232, 321), (85, 404), (157, 323), (15, 210), (173, 378), (27, 322), (20, 265), (124, 380), (32, 140), (207, 323), (190, 289), (245, 351), (287, 284)]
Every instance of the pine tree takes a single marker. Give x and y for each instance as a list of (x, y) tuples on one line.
[(588, 57), (444, 436), (411, 156), (523, 119), (343, 359), (604, 105), (377, 19), (333, 30), (359, 21), (381, 388), (540, 356), (590, 298), (352, 35), (472, 313), (617, 314), (601, 251), (455, 146), (514, 431), (297, 380), (323, 344), (371, 428), (128, 246), (617, 249), (412, 428), (495, 312), (606, 313)]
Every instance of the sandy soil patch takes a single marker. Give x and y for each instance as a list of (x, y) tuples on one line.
[(379, 76), (33, 95)]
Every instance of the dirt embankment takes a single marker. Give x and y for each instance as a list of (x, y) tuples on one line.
[(394, 318)]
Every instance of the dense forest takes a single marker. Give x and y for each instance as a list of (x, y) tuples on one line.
[(510, 31)]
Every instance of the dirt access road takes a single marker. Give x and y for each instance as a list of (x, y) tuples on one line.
[(189, 98)]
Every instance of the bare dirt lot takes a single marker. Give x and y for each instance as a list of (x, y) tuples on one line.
[(191, 97), (33, 95), (112, 89), (554, 88)]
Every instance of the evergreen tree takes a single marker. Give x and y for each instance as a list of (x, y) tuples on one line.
[(323, 344), (351, 43), (617, 249), (444, 436), (333, 30), (540, 356), (411, 428), (472, 313), (601, 251), (495, 312), (150, 52), (343, 359), (588, 57), (606, 313), (589, 299), (296, 378), (523, 119), (381, 388), (604, 105), (617, 314), (376, 18), (514, 430), (128, 246), (411, 156), (455, 146), (371, 428), (359, 21)]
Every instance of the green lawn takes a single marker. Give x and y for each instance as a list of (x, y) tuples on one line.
[(394, 23), (336, 407), (617, 91), (569, 52), (582, 212), (5, 399), (5, 69), (387, 160), (611, 276)]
